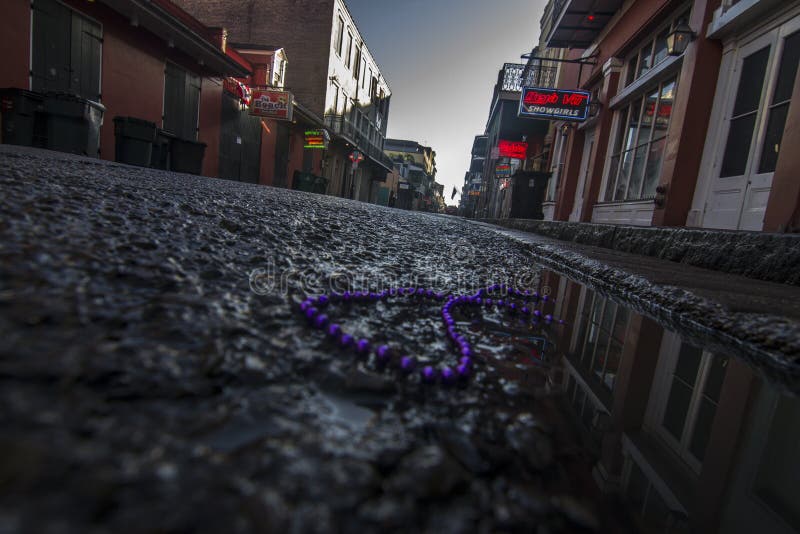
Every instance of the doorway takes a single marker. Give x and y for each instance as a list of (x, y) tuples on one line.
[(583, 177)]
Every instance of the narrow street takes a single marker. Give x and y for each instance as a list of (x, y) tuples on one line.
[(157, 372), (151, 382)]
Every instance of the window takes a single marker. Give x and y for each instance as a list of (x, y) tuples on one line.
[(357, 64), (779, 106), (373, 92), (349, 55), (640, 142), (600, 337), (66, 49), (652, 53), (337, 44), (181, 101), (686, 402), (367, 80)]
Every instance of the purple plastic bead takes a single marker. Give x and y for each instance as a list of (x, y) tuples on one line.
[(463, 371), (545, 298), (407, 363), (321, 321), (346, 295), (526, 310), (311, 313), (346, 340), (322, 300), (512, 307), (448, 376), (500, 303), (466, 352), (478, 301), (334, 330), (362, 346), (428, 374), (465, 360), (306, 304), (537, 313), (562, 321), (548, 317), (382, 352), (488, 302)]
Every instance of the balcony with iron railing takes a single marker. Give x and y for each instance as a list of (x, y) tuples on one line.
[(515, 76), (344, 127)]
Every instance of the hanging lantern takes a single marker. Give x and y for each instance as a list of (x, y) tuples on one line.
[(679, 38)]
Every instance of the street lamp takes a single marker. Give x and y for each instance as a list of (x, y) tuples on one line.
[(679, 38)]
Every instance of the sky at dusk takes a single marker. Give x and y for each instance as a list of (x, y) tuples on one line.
[(441, 59)]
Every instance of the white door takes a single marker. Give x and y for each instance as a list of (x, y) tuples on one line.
[(577, 206), (758, 104)]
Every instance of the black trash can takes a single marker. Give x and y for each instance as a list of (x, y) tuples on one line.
[(303, 181), (159, 158), (73, 123), (320, 185), (21, 117), (186, 156), (528, 193), (133, 140)]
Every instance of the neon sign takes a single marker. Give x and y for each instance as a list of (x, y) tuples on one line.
[(541, 103), (316, 139), (512, 149)]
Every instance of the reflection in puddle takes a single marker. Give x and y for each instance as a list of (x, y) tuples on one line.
[(669, 422)]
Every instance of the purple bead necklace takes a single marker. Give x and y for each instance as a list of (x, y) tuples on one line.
[(385, 356)]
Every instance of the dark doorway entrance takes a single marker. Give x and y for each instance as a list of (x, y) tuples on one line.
[(240, 143)]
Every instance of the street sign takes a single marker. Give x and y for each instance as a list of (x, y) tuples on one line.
[(356, 156), (272, 104), (554, 104)]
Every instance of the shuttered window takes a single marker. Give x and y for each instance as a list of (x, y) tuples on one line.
[(66, 51), (181, 102)]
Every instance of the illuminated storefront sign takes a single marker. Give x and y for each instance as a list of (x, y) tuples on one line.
[(502, 169), (512, 149), (236, 88), (317, 139), (272, 104), (540, 103)]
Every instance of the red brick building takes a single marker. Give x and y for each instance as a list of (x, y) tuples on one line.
[(332, 74), (149, 61)]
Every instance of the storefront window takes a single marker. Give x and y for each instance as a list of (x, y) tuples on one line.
[(639, 148)]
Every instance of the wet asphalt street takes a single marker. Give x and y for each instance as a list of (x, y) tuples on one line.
[(156, 374)]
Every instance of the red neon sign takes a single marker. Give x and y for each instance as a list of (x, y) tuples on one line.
[(546, 103), (512, 149)]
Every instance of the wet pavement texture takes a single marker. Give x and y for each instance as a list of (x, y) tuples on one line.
[(157, 375), (150, 382)]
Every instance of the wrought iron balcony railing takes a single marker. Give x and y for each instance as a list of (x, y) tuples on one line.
[(342, 126), (515, 76)]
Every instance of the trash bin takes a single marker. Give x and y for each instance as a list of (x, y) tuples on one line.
[(186, 156), (320, 185), (159, 159), (21, 119), (133, 140), (72, 123), (303, 181), (527, 194)]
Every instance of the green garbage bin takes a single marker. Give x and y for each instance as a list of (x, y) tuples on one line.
[(133, 141), (320, 185), (159, 158), (21, 119), (303, 181), (72, 123), (186, 156)]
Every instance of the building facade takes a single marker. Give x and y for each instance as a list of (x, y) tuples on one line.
[(686, 136), (332, 75), (417, 165), (152, 62)]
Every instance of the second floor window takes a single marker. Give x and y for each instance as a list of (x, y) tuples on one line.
[(337, 44), (349, 51)]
